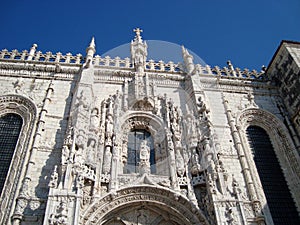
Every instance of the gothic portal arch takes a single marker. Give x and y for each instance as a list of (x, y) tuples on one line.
[(27, 111), (143, 205), (283, 145)]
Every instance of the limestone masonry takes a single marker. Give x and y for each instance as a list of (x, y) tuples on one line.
[(89, 140)]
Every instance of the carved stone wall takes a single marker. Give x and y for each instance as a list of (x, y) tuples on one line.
[(68, 166)]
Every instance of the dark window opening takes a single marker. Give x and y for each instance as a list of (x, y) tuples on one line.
[(135, 138), (10, 127), (278, 196)]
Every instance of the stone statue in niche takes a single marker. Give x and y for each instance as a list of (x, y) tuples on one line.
[(81, 138), (109, 129), (87, 191), (208, 154), (68, 140), (107, 160), (78, 159), (80, 180), (90, 152), (95, 120), (190, 126), (124, 149), (257, 208), (110, 105), (139, 62), (18, 85), (230, 216), (196, 168), (169, 140), (144, 151), (144, 165), (82, 102), (60, 217), (66, 146), (179, 163), (25, 190), (65, 153), (175, 125), (54, 178), (202, 109)]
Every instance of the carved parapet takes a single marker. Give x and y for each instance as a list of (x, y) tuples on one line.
[(150, 65), (161, 66), (238, 73), (117, 62), (38, 56)]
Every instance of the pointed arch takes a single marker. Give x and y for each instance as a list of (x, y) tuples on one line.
[(26, 110), (283, 146)]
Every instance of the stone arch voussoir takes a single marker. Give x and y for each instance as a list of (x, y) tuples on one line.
[(104, 209)]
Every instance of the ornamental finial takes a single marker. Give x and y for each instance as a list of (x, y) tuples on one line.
[(90, 51), (92, 44)]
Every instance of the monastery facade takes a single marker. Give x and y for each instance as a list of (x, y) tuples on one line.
[(86, 140)]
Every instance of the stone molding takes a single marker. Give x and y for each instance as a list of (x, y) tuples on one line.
[(33, 67)]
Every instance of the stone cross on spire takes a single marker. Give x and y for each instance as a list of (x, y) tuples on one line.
[(138, 32), (138, 49)]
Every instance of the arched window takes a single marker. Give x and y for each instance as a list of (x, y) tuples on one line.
[(10, 127), (278, 196), (135, 138)]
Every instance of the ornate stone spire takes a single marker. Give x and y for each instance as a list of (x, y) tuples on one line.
[(90, 51), (188, 60), (138, 51), (32, 52)]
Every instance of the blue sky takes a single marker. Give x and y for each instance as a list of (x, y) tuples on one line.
[(246, 32)]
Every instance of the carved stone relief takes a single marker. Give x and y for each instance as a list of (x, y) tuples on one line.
[(107, 210)]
